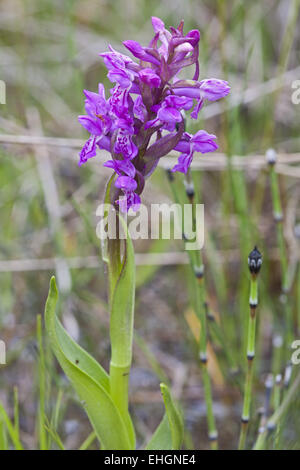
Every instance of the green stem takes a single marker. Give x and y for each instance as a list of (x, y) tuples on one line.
[(298, 297), (196, 263), (16, 411), (278, 414), (278, 216), (250, 359), (212, 430), (122, 298), (285, 284), (276, 400), (42, 391), (119, 379)]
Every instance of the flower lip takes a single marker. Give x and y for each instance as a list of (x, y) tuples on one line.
[(149, 77), (126, 183)]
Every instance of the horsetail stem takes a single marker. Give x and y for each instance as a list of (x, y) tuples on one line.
[(198, 268), (278, 414), (271, 157), (297, 236), (254, 263), (196, 263), (276, 401), (269, 383), (278, 217), (277, 344)]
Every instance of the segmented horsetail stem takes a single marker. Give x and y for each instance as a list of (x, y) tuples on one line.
[(297, 236), (271, 157), (279, 413), (199, 273), (287, 375), (276, 401), (254, 264), (277, 343), (197, 265)]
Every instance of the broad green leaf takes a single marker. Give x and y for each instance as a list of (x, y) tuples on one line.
[(89, 380), (162, 438), (169, 433), (86, 362)]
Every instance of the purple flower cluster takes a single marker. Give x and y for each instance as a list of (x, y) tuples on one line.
[(142, 120)]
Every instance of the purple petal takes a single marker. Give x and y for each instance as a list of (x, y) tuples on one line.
[(196, 110), (150, 78), (139, 109), (129, 201), (158, 24), (124, 145), (104, 143), (138, 51), (94, 127), (121, 166), (120, 76), (169, 115), (126, 183), (88, 150), (179, 102), (214, 89), (190, 92), (184, 162), (193, 37), (203, 142)]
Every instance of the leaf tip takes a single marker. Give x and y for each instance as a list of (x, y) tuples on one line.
[(53, 284)]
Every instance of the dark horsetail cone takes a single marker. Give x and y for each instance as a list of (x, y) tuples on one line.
[(255, 261), (254, 264)]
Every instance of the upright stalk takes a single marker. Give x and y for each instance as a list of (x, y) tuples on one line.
[(42, 391), (277, 400), (278, 414), (121, 300), (201, 313), (278, 218), (196, 263), (254, 263)]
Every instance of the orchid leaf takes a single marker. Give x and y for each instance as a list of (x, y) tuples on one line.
[(122, 306), (121, 330), (107, 201), (169, 433), (88, 379)]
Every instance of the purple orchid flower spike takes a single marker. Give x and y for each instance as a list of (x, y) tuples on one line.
[(147, 102)]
